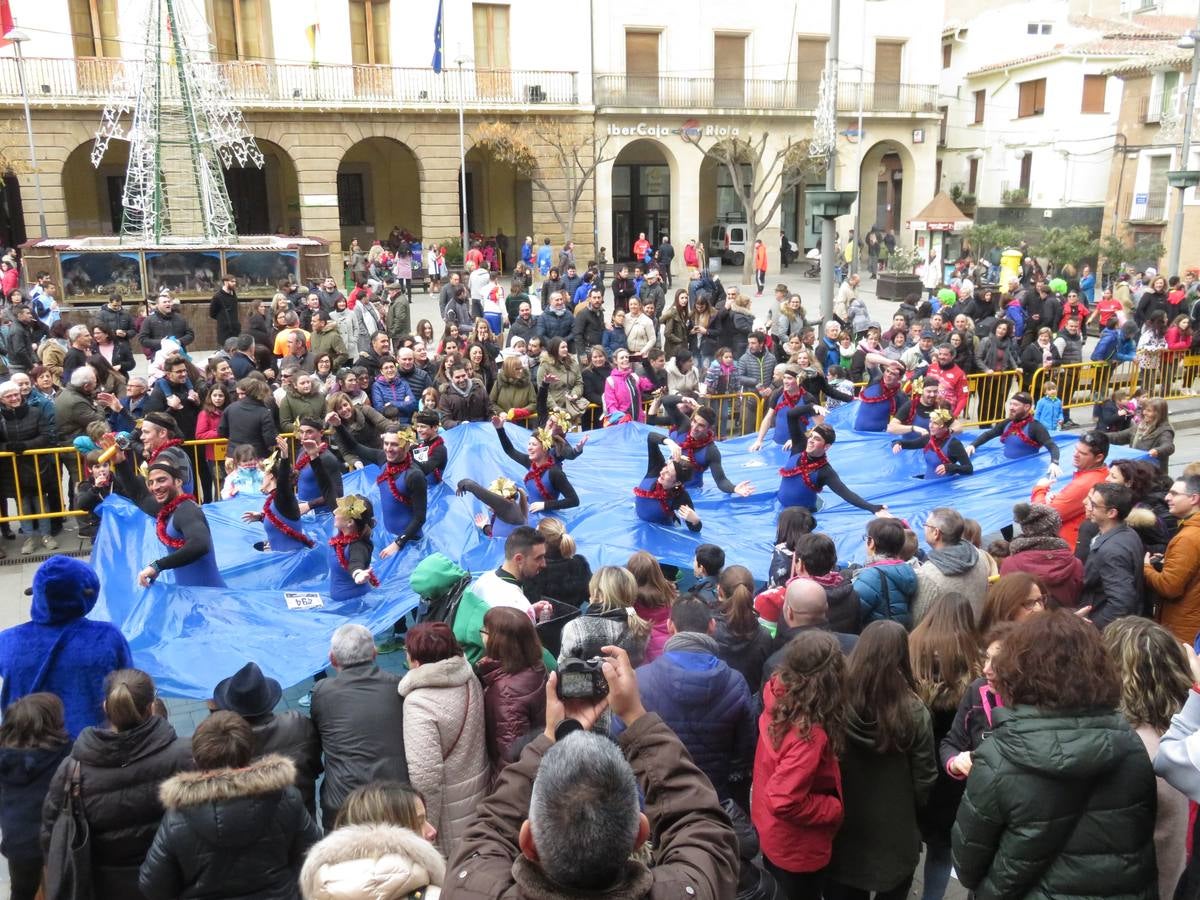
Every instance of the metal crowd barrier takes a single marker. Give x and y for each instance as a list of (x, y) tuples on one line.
[(737, 414)]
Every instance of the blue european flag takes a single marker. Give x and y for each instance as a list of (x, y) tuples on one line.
[(437, 41)]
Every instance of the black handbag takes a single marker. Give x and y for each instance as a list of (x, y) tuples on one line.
[(69, 858)]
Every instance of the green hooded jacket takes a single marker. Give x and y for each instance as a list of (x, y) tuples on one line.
[(1058, 805), (437, 574)]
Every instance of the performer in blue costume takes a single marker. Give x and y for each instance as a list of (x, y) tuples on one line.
[(350, 548), (661, 497), (545, 480), (558, 423), (318, 472), (944, 453), (403, 491), (281, 511), (808, 472), (789, 413), (692, 429), (180, 525), (509, 506), (881, 400), (430, 453), (912, 413), (1020, 434)]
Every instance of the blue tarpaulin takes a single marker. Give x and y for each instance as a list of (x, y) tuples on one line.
[(190, 638)]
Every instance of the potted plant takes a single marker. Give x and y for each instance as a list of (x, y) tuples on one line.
[(897, 280), (1015, 197)]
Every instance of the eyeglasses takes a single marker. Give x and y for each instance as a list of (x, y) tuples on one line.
[(1034, 602)]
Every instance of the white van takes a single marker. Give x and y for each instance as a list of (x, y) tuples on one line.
[(727, 242)]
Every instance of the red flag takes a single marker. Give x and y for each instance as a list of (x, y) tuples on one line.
[(6, 22)]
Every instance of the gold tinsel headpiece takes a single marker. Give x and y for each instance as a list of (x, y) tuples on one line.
[(560, 420), (268, 464), (352, 506), (544, 437), (505, 487), (941, 417)]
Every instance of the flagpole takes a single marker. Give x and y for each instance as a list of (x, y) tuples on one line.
[(462, 163)]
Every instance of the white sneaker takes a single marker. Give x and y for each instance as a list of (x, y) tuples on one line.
[(51, 543), (27, 546)]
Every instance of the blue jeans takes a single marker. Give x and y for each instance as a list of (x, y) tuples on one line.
[(30, 504), (937, 870)]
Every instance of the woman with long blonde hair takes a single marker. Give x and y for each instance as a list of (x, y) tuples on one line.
[(1155, 680), (610, 619)]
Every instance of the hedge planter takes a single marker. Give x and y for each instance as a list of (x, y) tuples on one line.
[(897, 285)]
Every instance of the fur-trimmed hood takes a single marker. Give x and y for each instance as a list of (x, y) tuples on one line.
[(1024, 542), (371, 862), (230, 807), (1141, 517), (450, 672)]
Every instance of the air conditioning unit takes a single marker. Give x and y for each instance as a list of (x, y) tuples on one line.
[(534, 94)]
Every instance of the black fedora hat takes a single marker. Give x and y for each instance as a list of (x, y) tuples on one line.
[(248, 692)]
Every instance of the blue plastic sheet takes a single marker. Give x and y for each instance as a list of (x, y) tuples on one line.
[(190, 638)]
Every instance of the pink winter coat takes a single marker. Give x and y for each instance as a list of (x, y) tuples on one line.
[(618, 399)]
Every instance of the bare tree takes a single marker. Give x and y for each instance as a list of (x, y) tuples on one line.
[(560, 168), (772, 175)]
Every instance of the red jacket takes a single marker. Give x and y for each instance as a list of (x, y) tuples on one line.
[(954, 386), (1069, 501), (760, 258), (1058, 568), (796, 800)]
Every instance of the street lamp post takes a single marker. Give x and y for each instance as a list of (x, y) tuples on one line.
[(1184, 178), (18, 38), (462, 161), (828, 226)]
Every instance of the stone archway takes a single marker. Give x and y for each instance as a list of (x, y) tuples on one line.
[(884, 198), (266, 200), (644, 191), (92, 195), (378, 189)]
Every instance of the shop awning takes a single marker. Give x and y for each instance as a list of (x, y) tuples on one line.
[(941, 215)]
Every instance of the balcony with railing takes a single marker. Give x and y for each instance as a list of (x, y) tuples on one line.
[(263, 85), (616, 92)]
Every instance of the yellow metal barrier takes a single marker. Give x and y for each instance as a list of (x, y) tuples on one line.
[(1080, 384), (737, 414), (989, 396), (1168, 374)]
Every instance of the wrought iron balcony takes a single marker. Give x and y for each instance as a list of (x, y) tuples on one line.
[(690, 94), (90, 81)]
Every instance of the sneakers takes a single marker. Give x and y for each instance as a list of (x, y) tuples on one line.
[(51, 543), (27, 546), (391, 645), (1067, 425)]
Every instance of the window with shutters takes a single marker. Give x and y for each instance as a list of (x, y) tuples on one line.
[(352, 204), (980, 104), (1156, 202), (810, 63), (1032, 100), (729, 67), (888, 58), (238, 30), (94, 27), (369, 33), (641, 66), (947, 54), (1093, 93), (972, 174), (493, 75), (1026, 171)]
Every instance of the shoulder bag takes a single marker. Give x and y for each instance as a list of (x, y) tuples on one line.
[(69, 858)]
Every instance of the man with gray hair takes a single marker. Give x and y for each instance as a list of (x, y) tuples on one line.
[(359, 716), (952, 566), (563, 820), (79, 405), (79, 340)]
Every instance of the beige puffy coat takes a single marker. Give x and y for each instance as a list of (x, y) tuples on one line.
[(445, 743), (372, 862)]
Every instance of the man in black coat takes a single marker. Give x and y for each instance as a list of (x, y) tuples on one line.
[(666, 256), (161, 323), (113, 317), (360, 717), (589, 323), (22, 336), (254, 696), (224, 309), (1113, 582)]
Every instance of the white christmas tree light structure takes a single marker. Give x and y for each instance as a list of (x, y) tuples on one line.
[(183, 129)]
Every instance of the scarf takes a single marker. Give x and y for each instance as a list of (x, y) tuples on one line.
[(691, 642), (174, 442), (659, 493), (787, 401), (389, 475), (805, 468), (691, 446), (464, 394), (282, 526), (956, 559), (164, 515), (339, 543), (304, 461), (937, 449), (535, 473), (1017, 427)]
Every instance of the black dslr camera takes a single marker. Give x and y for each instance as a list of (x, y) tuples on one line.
[(581, 679)]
